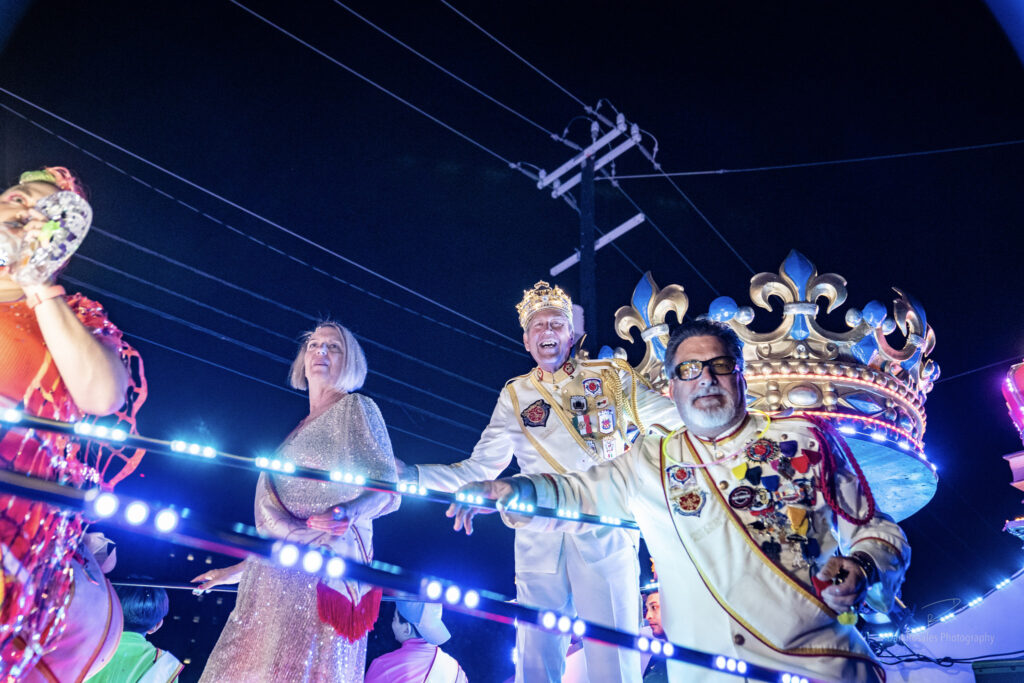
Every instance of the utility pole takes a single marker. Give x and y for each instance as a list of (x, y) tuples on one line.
[(585, 159), (588, 257)]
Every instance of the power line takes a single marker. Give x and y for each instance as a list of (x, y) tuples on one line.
[(523, 117), (516, 55), (667, 240), (272, 356), (379, 87), (248, 347), (707, 221), (260, 297), (239, 207), (1005, 361), (280, 387), (649, 156), (812, 164)]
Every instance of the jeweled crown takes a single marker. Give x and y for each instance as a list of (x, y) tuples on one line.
[(872, 390), (542, 296)]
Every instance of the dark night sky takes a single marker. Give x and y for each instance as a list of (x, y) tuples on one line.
[(208, 125)]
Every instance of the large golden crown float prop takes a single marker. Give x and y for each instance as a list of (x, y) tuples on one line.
[(871, 390)]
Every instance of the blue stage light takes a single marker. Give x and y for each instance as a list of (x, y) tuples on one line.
[(655, 647), (288, 555), (105, 504), (312, 561), (668, 649), (434, 589), (579, 627), (136, 512), (548, 620), (471, 599), (335, 567), (643, 644), (11, 415), (166, 520), (564, 624), (452, 595)]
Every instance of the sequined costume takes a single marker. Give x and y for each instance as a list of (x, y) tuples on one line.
[(743, 538), (275, 632), (566, 421), (38, 542)]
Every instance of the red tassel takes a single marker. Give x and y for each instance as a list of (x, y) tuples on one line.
[(349, 621)]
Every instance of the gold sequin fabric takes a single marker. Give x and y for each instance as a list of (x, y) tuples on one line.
[(274, 633)]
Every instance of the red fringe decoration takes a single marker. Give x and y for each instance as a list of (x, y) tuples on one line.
[(349, 621)]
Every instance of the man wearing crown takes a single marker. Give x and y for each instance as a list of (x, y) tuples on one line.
[(566, 415), (767, 524)]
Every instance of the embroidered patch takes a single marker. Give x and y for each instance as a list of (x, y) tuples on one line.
[(741, 497), (592, 386), (606, 421), (677, 474), (690, 503), (536, 414)]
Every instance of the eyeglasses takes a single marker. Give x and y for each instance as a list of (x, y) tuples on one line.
[(691, 369)]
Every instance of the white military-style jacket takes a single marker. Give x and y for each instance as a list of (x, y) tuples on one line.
[(566, 421), (737, 540)]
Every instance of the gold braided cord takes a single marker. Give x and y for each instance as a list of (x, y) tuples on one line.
[(626, 367)]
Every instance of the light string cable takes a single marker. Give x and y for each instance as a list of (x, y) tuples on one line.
[(259, 297), (178, 525), (831, 162), (515, 349), (193, 451), (273, 356)]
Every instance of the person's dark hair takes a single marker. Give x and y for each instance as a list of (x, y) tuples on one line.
[(402, 620), (144, 607), (702, 327)]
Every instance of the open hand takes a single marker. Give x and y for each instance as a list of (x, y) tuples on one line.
[(218, 577), (499, 490), (849, 584)]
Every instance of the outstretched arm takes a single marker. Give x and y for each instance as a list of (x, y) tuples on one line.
[(490, 456), (503, 491)]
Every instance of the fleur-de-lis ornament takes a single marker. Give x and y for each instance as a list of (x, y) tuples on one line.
[(648, 308)]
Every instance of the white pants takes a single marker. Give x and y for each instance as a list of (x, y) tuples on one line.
[(605, 592)]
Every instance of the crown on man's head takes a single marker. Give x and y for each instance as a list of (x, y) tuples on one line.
[(540, 297)]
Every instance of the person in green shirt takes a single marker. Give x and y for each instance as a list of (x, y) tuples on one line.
[(137, 660)]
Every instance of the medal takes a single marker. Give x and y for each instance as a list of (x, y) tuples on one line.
[(610, 450), (770, 482), (753, 475), (578, 404), (762, 450), (788, 448), (606, 421), (741, 497), (592, 386), (801, 463), (773, 549), (740, 471)]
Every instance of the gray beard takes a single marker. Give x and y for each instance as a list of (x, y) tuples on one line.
[(708, 418)]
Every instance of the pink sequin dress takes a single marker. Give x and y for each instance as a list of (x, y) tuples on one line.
[(275, 632)]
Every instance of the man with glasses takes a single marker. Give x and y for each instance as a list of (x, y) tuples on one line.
[(764, 530)]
